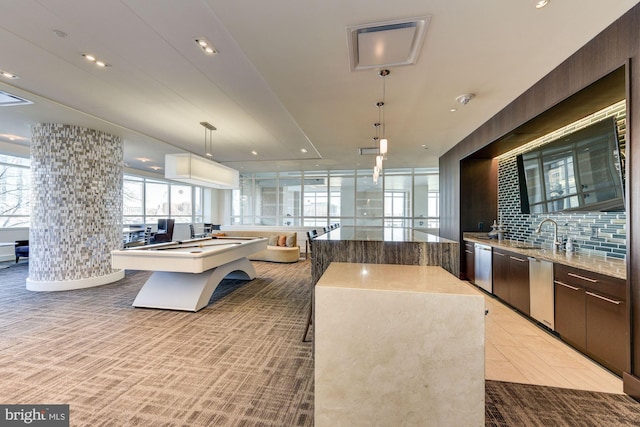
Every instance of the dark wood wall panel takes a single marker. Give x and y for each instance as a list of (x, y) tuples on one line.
[(614, 47), (633, 208), (478, 193)]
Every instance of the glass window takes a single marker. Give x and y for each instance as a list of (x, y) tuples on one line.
[(369, 211), (342, 196), (133, 200), (266, 192), (397, 196), (315, 200), (198, 202), (242, 201), (144, 200), (13, 160), (290, 196), (330, 197), (156, 198), (426, 201), (181, 200), (14, 193)]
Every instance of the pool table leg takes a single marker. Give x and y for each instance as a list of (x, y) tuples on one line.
[(189, 291)]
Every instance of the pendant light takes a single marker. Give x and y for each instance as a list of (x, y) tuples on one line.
[(383, 138), (380, 130), (208, 142), (200, 170)]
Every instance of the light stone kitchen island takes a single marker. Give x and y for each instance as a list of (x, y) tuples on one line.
[(397, 345), (374, 245)]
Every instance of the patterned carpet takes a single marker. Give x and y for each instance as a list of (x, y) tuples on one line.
[(238, 362), (523, 405)]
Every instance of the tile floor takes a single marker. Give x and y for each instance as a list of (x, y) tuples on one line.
[(517, 350)]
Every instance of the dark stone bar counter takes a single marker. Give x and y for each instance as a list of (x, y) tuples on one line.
[(382, 246)]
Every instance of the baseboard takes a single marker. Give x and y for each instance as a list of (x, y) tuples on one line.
[(631, 385)]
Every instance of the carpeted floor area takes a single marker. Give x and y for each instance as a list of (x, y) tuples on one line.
[(238, 362), (524, 405)]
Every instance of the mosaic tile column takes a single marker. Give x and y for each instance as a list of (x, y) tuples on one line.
[(76, 207)]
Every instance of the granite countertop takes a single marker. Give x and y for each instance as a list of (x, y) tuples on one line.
[(376, 234), (392, 277), (608, 266)]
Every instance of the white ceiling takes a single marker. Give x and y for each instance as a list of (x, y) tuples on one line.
[(281, 81)]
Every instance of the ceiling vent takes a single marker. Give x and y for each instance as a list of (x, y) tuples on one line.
[(368, 151), (9, 100), (386, 44)]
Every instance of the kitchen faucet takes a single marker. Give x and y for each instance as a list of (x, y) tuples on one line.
[(556, 243)]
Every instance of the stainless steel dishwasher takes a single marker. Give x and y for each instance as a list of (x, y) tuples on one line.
[(482, 264), (541, 291)]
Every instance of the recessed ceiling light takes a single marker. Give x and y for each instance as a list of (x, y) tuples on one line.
[(541, 3), (303, 150), (92, 58), (60, 33), (453, 110), (254, 152), (8, 75), (206, 47), (155, 168), (143, 159), (11, 137)]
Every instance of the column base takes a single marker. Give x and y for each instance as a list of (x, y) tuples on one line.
[(68, 285)]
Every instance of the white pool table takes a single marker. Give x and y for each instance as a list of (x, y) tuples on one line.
[(185, 274)]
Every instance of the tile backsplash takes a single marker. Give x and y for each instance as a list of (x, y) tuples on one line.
[(597, 233)]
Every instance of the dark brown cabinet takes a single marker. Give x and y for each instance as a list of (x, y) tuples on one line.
[(591, 314), (511, 279), (570, 314), (469, 257)]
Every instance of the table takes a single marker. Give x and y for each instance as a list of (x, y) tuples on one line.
[(185, 274), (397, 345), (130, 234)]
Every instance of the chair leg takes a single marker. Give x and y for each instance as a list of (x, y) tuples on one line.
[(17, 258), (309, 320)]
